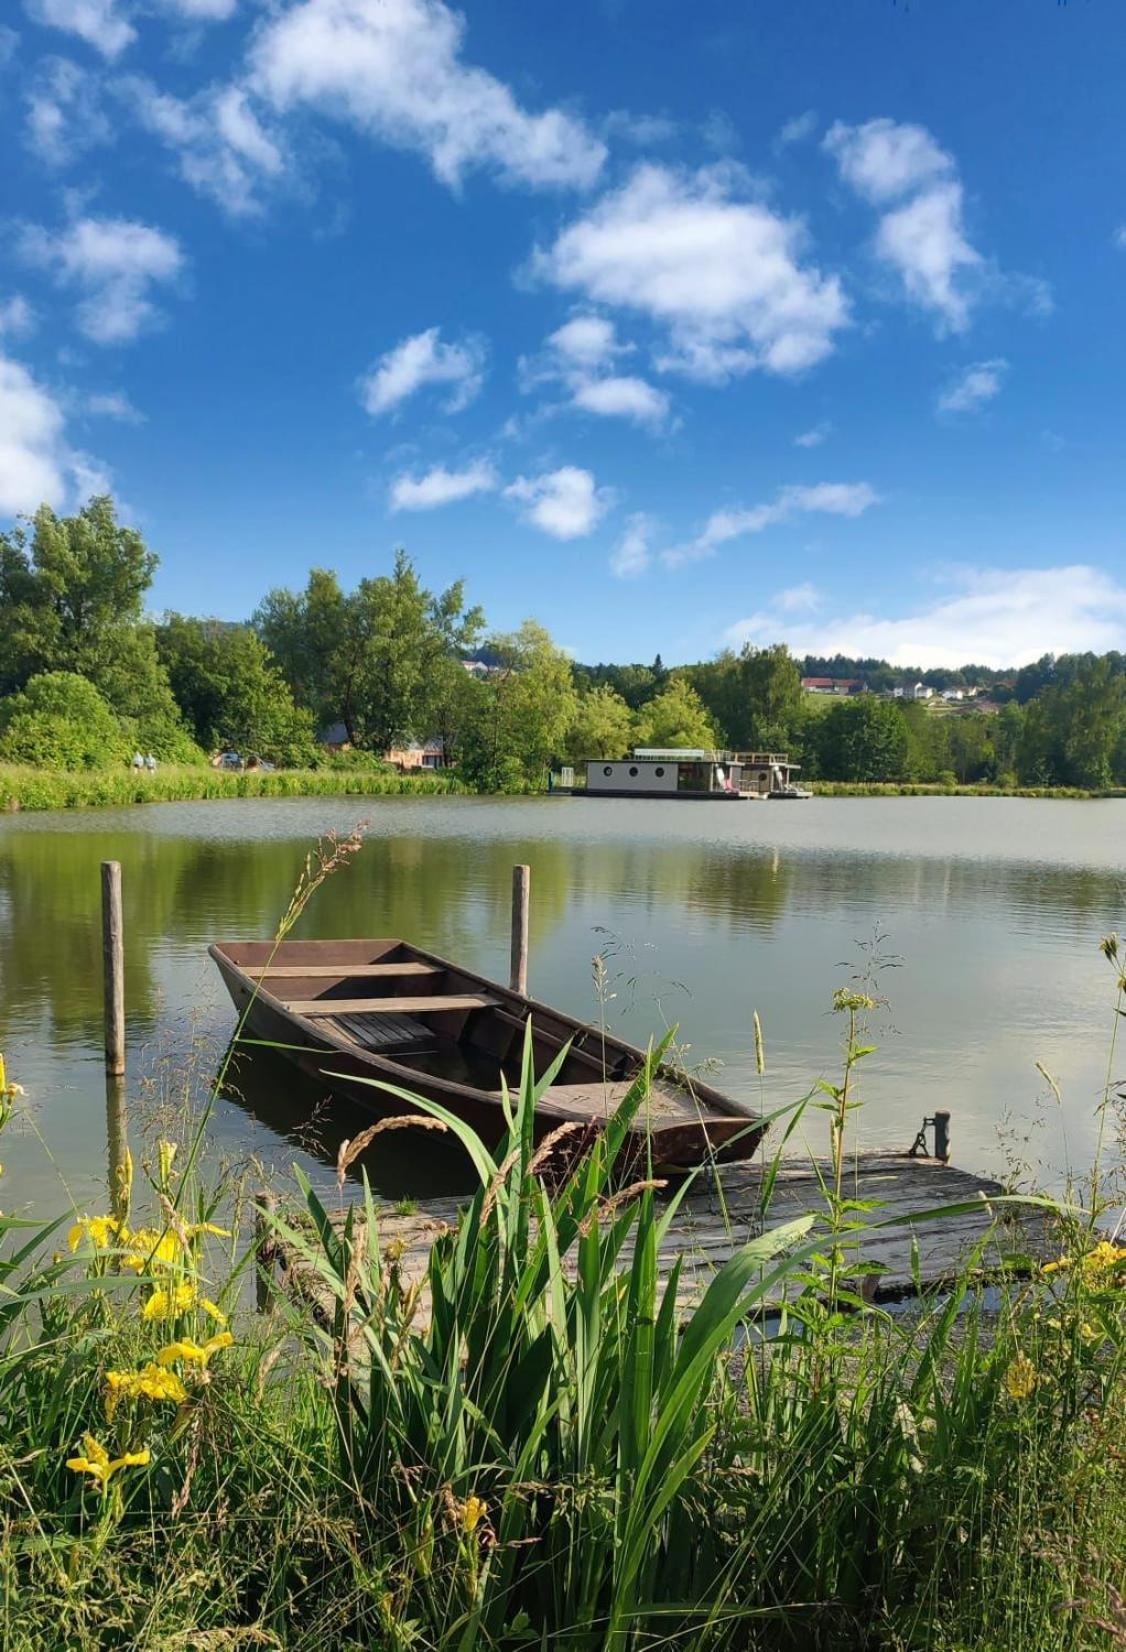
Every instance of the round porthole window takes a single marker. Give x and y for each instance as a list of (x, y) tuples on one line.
[(608, 770), (633, 774), (660, 773)]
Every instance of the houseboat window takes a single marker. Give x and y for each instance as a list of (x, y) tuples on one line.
[(660, 773), (608, 770), (633, 774)]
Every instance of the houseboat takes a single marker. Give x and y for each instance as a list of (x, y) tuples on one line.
[(690, 773)]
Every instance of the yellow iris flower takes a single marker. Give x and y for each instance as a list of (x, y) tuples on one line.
[(102, 1231), (194, 1352), (1099, 1266), (152, 1382), (473, 1511), (1021, 1377), (167, 1303), (98, 1462)]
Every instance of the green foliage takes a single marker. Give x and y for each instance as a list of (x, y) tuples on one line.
[(516, 719), (232, 693), (602, 725), (863, 739), (39, 788), (753, 697), (1074, 733), (60, 721), (675, 717)]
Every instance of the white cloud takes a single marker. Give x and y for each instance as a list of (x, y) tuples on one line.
[(624, 396), (973, 388), (423, 359), (922, 238), (643, 130), (586, 341), (64, 112), (223, 149), (564, 503), (9, 41), (998, 617), (884, 160), (718, 270), (632, 554), (113, 404), (394, 68), (440, 486), (37, 466), (826, 498), (814, 436), (98, 22), (202, 11), (797, 130), (1120, 237), (798, 599), (114, 262), (16, 316)]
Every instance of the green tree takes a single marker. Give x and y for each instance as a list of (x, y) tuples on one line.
[(602, 725), (374, 658), (519, 714), (60, 721), (1074, 733), (863, 739), (72, 595), (232, 692), (675, 717)]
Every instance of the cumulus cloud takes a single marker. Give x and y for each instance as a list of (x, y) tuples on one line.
[(100, 23), (799, 129), (997, 616), (64, 112), (632, 555), (420, 360), (721, 273), (564, 503), (394, 68), (814, 437), (114, 263), (973, 388), (440, 486), (580, 356), (112, 404), (901, 169), (822, 498), (16, 316), (37, 464), (223, 149)]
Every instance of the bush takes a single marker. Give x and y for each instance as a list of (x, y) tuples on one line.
[(60, 721)]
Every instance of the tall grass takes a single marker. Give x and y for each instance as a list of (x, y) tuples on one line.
[(24, 788)]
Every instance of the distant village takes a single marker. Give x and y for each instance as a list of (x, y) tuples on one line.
[(974, 697)]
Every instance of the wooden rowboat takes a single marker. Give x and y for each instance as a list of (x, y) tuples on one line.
[(385, 1010)]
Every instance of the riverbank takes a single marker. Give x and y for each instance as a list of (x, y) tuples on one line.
[(36, 789), (887, 788)]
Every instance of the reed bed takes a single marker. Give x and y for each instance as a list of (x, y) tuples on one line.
[(26, 788)]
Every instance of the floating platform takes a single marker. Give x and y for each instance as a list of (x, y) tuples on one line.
[(716, 1219)]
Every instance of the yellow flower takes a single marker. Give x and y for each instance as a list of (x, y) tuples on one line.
[(150, 1250), (166, 1304), (98, 1463), (1098, 1266), (194, 1352), (473, 1511), (1021, 1378), (102, 1231), (214, 1310), (208, 1227), (152, 1382)]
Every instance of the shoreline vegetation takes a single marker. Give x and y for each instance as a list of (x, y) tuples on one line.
[(26, 790)]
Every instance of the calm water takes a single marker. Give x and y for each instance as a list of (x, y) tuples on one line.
[(991, 910)]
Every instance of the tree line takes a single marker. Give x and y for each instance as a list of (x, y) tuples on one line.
[(87, 677)]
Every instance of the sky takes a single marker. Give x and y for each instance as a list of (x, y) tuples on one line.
[(675, 327)]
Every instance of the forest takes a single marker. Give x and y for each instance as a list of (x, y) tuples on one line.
[(88, 676)]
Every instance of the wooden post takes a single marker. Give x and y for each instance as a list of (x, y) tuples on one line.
[(117, 1144), (265, 1250), (942, 1137), (521, 885), (113, 966)]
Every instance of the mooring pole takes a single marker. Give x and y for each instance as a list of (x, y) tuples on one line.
[(942, 1137), (521, 886), (117, 1144), (113, 966), (265, 1249)]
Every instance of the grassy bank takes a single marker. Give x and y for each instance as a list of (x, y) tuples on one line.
[(547, 1459), (881, 788), (26, 788)]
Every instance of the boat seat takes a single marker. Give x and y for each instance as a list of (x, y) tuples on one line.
[(340, 972), (598, 1101), (313, 1008), (380, 1032)]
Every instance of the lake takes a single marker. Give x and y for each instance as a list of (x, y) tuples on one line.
[(985, 914)]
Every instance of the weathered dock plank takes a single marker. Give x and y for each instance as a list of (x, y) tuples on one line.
[(723, 1210)]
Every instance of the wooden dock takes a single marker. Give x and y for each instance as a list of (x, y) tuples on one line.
[(722, 1212)]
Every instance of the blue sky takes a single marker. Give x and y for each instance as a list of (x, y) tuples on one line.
[(671, 326)]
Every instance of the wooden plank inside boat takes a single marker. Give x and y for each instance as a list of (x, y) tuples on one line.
[(312, 1008), (341, 971)]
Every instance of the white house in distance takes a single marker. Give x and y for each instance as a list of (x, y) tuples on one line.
[(912, 691)]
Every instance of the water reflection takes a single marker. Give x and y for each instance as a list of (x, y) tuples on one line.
[(705, 915)]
